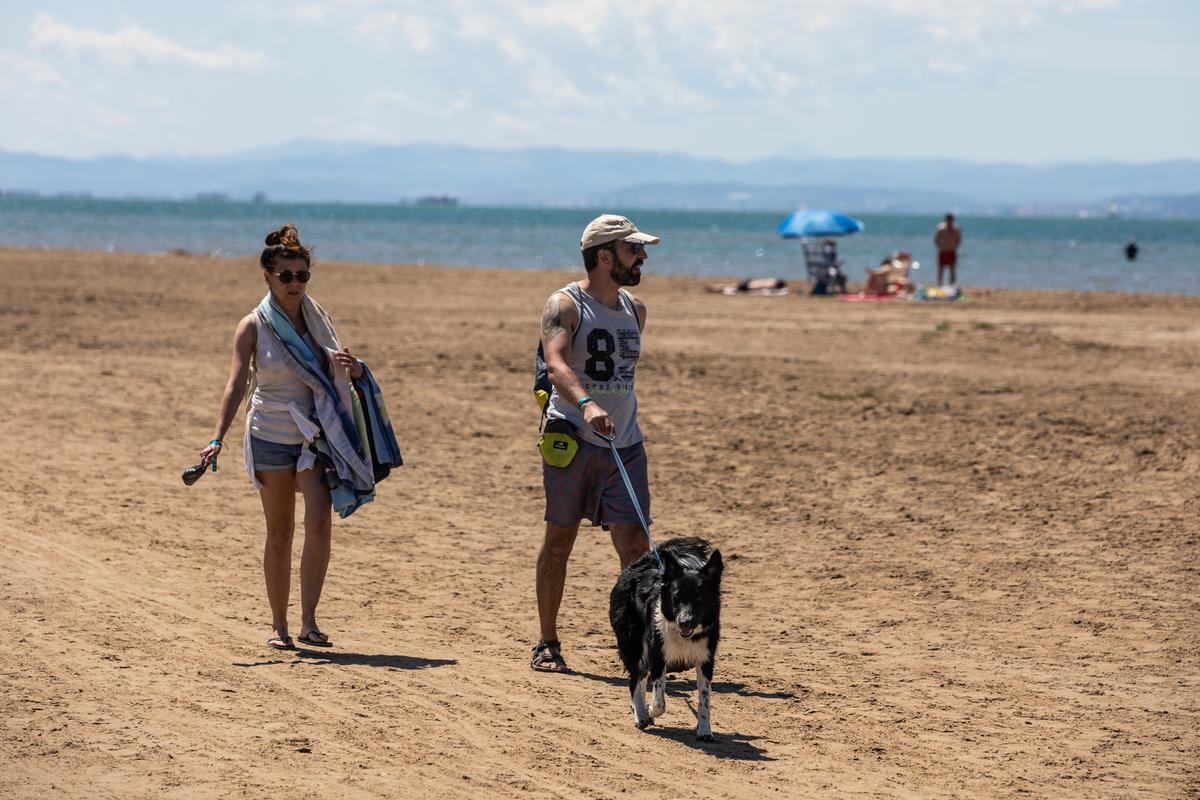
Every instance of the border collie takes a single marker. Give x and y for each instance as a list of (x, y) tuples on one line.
[(669, 622)]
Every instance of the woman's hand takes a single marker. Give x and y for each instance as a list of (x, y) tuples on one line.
[(352, 365), (209, 453)]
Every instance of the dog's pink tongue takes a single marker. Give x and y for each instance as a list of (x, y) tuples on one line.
[(686, 632)]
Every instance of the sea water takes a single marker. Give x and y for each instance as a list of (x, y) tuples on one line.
[(1014, 252)]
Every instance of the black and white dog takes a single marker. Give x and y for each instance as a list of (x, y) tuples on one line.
[(669, 622)]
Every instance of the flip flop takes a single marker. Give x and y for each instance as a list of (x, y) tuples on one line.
[(314, 638), (281, 643), (543, 659)]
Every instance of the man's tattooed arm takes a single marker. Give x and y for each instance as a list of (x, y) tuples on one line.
[(561, 317), (552, 321)]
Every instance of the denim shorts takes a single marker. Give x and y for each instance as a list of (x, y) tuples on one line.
[(272, 457)]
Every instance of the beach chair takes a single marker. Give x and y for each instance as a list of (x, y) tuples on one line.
[(823, 267)]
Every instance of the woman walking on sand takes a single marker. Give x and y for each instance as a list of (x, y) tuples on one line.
[(308, 430)]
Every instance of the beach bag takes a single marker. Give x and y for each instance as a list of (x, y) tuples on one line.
[(557, 442)]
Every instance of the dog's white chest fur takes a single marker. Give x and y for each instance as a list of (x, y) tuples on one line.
[(678, 651)]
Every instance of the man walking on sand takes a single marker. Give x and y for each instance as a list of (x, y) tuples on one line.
[(948, 238), (591, 336)]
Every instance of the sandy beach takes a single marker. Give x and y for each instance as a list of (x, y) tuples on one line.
[(961, 546)]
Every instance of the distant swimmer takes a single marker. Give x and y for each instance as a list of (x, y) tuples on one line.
[(948, 238), (1131, 250)]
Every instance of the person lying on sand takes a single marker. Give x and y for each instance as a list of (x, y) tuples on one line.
[(764, 286)]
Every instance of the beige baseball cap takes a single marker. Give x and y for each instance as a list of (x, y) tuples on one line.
[(611, 227)]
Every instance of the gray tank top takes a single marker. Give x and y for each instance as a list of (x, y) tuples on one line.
[(275, 388), (604, 355)]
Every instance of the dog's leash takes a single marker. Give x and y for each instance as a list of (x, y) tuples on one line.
[(632, 496)]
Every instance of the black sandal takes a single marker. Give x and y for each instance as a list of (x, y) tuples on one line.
[(543, 658), (314, 638)]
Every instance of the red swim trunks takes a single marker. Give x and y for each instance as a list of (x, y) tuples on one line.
[(947, 258)]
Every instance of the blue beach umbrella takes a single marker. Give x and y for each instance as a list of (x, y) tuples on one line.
[(818, 222)]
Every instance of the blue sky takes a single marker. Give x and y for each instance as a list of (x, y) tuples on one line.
[(994, 80)]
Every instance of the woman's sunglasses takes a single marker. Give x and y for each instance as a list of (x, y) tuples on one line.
[(287, 276)]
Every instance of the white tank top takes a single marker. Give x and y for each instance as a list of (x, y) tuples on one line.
[(269, 418), (604, 355)]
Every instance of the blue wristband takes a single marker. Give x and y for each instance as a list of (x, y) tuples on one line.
[(587, 398)]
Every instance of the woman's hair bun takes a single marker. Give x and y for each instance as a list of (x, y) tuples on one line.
[(283, 243), (288, 236)]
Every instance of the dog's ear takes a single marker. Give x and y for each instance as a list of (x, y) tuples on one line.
[(715, 565), (669, 567)]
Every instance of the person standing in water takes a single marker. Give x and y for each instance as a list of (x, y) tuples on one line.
[(948, 238)]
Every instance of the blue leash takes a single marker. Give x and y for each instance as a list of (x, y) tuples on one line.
[(632, 496)]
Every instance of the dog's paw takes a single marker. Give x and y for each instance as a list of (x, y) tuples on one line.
[(642, 724), (705, 735), (658, 697)]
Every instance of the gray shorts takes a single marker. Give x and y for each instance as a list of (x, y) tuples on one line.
[(590, 487), (272, 456)]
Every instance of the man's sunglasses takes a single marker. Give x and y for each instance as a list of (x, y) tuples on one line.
[(637, 247), (287, 276)]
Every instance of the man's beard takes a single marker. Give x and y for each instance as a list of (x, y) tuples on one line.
[(625, 276)]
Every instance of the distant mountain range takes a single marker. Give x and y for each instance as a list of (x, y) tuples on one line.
[(307, 170)]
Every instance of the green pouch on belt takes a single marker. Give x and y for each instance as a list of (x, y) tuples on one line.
[(557, 445)]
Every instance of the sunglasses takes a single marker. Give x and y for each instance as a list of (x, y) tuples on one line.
[(287, 276), (638, 248)]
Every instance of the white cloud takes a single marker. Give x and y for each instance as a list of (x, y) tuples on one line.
[(309, 12), (945, 67), (683, 55), (522, 126), (383, 27), (385, 97), (485, 31), (659, 92), (110, 118), (133, 45), (394, 100), (17, 71), (552, 89), (584, 18)]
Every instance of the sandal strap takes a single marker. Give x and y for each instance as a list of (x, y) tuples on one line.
[(543, 656), (546, 644)]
